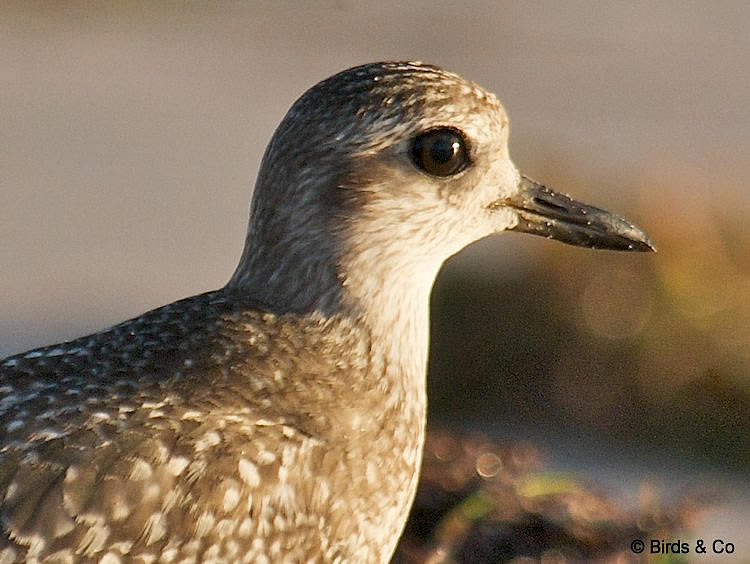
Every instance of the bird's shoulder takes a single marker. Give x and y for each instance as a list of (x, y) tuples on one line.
[(154, 343), (197, 349)]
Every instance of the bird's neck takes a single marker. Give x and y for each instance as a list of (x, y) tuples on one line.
[(392, 302), (307, 270), (373, 271), (385, 295)]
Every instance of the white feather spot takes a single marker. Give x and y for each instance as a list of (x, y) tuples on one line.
[(14, 425), (204, 524), (176, 465), (171, 499), (45, 435), (249, 473), (323, 490), (231, 499), (225, 528), (266, 457), (119, 509), (279, 522), (93, 540), (370, 473), (152, 492), (208, 440), (233, 547), (276, 548), (169, 554), (122, 547), (141, 470), (36, 546), (245, 527), (153, 404), (155, 527), (283, 473)]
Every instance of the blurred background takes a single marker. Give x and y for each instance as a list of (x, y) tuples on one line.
[(131, 134)]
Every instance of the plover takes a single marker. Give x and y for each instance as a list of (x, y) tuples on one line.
[(281, 418)]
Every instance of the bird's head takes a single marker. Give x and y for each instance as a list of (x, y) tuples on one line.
[(381, 172)]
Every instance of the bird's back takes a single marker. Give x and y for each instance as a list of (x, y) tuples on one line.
[(205, 429)]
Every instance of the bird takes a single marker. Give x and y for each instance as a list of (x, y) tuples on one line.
[(281, 418)]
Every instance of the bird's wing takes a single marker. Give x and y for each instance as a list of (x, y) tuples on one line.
[(101, 452)]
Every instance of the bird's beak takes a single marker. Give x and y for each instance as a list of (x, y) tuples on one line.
[(542, 211)]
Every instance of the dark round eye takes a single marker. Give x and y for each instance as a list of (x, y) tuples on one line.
[(440, 152)]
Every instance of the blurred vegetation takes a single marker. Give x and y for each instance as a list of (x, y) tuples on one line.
[(649, 351), (483, 502)]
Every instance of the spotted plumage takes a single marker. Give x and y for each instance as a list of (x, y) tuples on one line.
[(281, 418)]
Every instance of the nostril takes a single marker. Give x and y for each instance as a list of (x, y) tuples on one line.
[(546, 204)]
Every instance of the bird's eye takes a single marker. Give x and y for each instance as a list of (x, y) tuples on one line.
[(440, 152)]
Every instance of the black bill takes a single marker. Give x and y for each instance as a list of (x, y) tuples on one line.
[(544, 212)]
